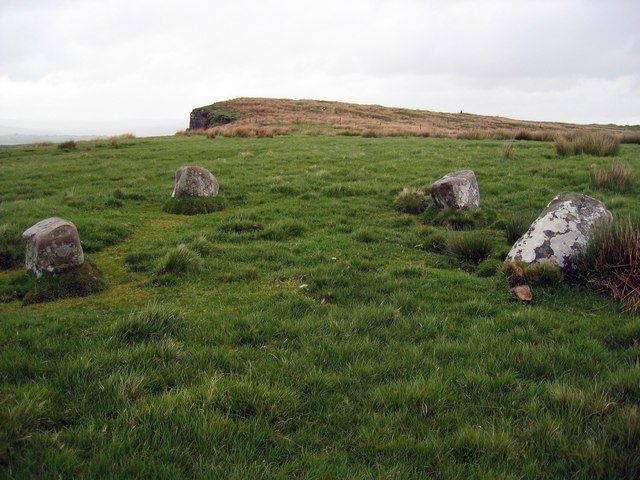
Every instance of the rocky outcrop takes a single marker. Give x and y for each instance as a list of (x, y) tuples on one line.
[(195, 182), (457, 190), (561, 231), (202, 118), (52, 246)]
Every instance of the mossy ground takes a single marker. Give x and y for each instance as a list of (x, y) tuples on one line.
[(317, 337)]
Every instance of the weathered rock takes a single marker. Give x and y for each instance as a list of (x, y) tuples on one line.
[(522, 292), (52, 246), (457, 190), (202, 118), (561, 231), (195, 182)]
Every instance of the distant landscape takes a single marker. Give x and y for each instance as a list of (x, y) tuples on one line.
[(251, 116)]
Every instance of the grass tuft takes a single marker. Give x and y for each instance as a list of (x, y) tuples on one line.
[(598, 144), (411, 200), (611, 262), (154, 322), (508, 151), (472, 248), (179, 261), (616, 176), (514, 228)]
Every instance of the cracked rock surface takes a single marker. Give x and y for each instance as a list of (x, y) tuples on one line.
[(457, 190), (52, 246), (195, 182), (561, 231)]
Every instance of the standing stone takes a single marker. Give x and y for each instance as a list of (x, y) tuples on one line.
[(561, 231), (457, 190), (195, 182), (52, 246)]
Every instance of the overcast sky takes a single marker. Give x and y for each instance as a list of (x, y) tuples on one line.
[(81, 64)]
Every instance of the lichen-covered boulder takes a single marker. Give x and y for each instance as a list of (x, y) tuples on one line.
[(195, 182), (561, 231), (52, 246), (457, 190)]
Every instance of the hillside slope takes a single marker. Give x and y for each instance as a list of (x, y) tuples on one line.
[(328, 117)]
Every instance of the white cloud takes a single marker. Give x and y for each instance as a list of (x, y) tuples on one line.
[(120, 60)]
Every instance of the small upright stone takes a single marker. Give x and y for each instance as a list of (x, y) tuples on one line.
[(561, 231), (52, 246), (195, 182), (457, 190)]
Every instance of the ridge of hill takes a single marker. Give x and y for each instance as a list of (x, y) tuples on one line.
[(322, 117)]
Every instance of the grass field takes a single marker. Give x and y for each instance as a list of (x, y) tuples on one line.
[(305, 330)]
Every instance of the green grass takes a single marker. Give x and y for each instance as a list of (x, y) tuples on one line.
[(317, 337)]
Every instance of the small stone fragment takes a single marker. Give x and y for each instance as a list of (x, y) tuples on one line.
[(52, 246), (522, 292), (195, 182), (457, 190)]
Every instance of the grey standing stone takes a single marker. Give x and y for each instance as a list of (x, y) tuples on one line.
[(457, 190), (561, 231), (195, 182), (52, 246)]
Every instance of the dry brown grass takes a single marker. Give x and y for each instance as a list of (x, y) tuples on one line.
[(508, 151), (317, 117), (122, 136), (599, 144), (630, 137), (616, 176), (611, 262)]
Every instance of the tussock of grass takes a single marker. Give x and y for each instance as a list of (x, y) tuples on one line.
[(411, 200), (202, 245), (616, 176), (630, 138), (193, 205), (340, 191), (11, 248), (598, 144), (79, 282), (472, 248), (508, 151), (611, 262), (179, 261), (514, 228), (433, 241), (154, 322)]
